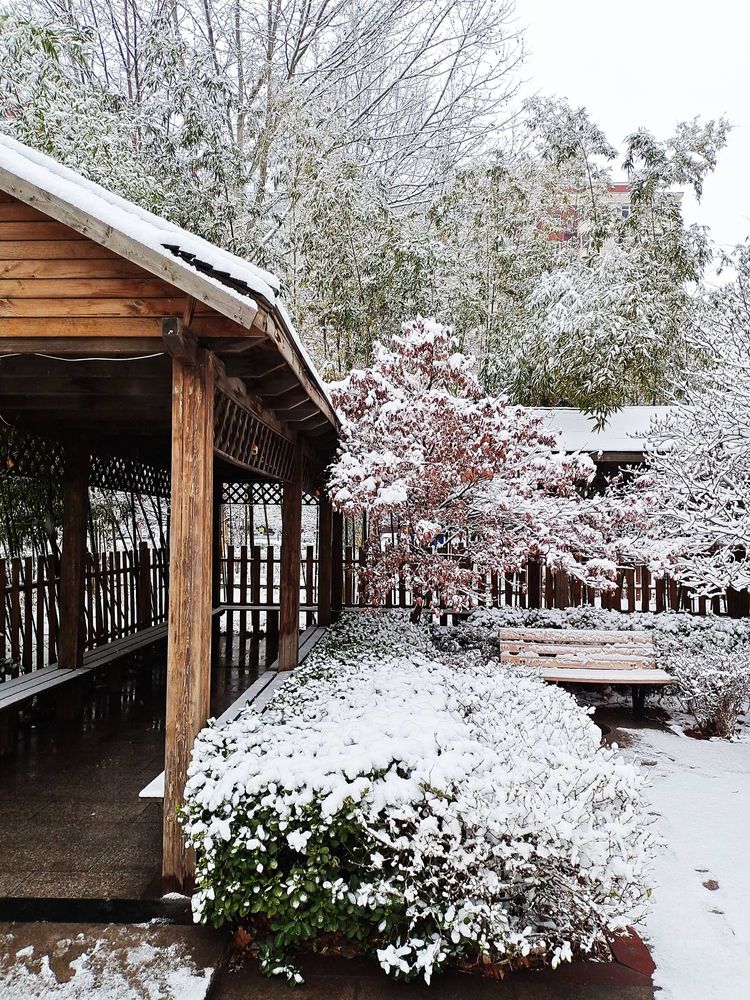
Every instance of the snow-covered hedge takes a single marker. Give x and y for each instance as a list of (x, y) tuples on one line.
[(709, 656), (667, 623), (394, 801)]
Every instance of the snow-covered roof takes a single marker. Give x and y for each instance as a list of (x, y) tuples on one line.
[(227, 283), (622, 434)]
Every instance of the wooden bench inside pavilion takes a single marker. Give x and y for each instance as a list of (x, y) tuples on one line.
[(137, 356)]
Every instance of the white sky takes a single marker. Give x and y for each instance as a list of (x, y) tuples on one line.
[(653, 63)]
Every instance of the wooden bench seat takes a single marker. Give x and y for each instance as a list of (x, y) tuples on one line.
[(19, 690), (586, 656), (258, 694)]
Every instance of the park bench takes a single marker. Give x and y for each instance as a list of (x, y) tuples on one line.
[(258, 694), (53, 681), (587, 656)]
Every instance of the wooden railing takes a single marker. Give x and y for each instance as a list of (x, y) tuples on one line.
[(537, 586), (124, 592)]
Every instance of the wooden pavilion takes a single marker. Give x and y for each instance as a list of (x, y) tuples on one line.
[(132, 352)]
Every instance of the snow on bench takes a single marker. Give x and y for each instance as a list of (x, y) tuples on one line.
[(584, 656)]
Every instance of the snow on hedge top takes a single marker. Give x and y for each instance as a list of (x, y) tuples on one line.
[(496, 812), (56, 182)]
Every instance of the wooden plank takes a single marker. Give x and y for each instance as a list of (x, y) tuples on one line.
[(270, 594), (554, 649), (309, 582), (70, 266), (41, 616), (255, 588), (348, 576), (90, 307), (67, 248), (337, 566), (567, 675), (15, 611), (147, 287), (630, 582), (28, 614), (645, 589), (189, 645), (229, 587), (325, 559), (243, 600), (43, 229), (16, 211), (576, 636), (78, 329), (595, 661), (52, 578), (72, 564), (291, 533)]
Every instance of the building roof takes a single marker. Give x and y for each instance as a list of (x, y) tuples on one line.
[(232, 286), (620, 439)]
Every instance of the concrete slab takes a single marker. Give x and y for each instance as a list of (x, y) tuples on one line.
[(108, 961), (342, 979)]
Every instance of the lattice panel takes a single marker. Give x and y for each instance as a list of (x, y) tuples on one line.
[(36, 457), (29, 456), (259, 493), (240, 436), (129, 475)]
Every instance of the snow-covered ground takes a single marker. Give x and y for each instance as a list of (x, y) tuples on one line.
[(700, 799), (136, 962)]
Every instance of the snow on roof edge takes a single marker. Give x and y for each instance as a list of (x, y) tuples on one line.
[(152, 231), (623, 431)]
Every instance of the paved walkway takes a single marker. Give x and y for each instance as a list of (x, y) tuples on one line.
[(71, 822)]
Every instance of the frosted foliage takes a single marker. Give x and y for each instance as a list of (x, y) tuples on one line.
[(430, 808), (429, 458), (699, 462)]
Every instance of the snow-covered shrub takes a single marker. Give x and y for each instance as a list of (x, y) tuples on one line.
[(712, 669), (714, 686), (427, 809)]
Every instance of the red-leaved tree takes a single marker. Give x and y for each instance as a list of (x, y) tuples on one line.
[(433, 462)]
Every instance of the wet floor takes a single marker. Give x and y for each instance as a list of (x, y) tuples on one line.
[(71, 822)]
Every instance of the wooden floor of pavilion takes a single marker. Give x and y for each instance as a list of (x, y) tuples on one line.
[(71, 822)]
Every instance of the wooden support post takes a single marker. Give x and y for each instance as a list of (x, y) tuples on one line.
[(325, 559), (144, 586), (189, 648), (73, 559), (217, 553), (337, 565), (291, 535)]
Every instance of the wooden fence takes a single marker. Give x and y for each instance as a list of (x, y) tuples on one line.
[(537, 586), (124, 592), (127, 591), (251, 576)]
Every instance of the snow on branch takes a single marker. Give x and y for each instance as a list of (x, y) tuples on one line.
[(433, 462)]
